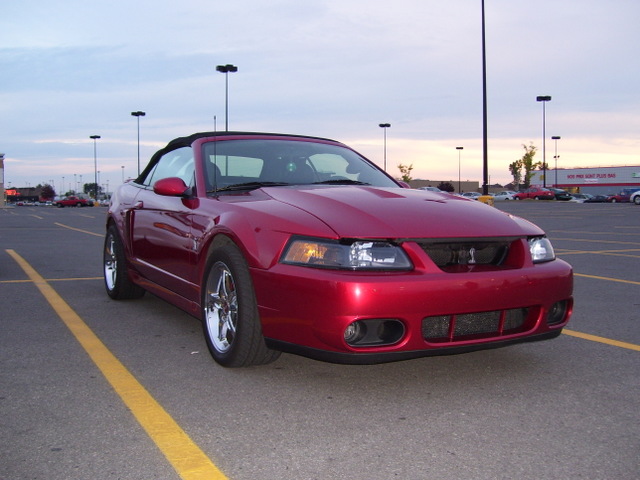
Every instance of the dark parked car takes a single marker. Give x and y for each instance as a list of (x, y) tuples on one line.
[(597, 199), (299, 244), (535, 193), (561, 194)]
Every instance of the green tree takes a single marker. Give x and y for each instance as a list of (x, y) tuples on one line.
[(405, 170), (47, 192), (90, 188), (516, 171), (528, 163), (446, 187)]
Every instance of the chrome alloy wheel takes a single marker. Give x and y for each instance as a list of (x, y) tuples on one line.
[(110, 263), (221, 307)]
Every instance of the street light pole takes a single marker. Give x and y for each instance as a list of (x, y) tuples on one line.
[(95, 166), (485, 148), (226, 69), (459, 181), (138, 114), (384, 127), (556, 157), (544, 99)]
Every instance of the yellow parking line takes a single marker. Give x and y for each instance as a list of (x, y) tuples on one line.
[(594, 240), (79, 229), (573, 232), (55, 280), (614, 253), (608, 341), (619, 280), (189, 461)]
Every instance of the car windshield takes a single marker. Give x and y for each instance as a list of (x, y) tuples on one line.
[(233, 165)]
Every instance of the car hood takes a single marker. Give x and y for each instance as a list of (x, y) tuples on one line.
[(370, 212)]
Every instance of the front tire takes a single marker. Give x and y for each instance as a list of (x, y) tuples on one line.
[(116, 276), (230, 319)]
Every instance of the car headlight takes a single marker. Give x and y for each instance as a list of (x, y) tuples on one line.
[(541, 249), (352, 255)]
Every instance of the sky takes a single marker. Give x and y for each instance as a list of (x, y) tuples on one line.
[(70, 69)]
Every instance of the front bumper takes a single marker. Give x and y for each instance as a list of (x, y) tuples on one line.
[(306, 311)]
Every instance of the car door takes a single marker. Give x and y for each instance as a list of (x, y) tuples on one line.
[(161, 226)]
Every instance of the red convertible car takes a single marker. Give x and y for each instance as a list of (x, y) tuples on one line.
[(286, 243)]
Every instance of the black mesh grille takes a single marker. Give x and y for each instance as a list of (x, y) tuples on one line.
[(450, 328), (468, 252)]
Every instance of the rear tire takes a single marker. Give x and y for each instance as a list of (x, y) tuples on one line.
[(230, 319), (116, 276)]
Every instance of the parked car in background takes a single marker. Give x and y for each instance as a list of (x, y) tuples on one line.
[(535, 193), (472, 195), (596, 199), (73, 201), (580, 197), (561, 194), (299, 244), (635, 197), (506, 195), (623, 197)]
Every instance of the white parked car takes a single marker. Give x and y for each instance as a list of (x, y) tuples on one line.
[(580, 197), (506, 195), (472, 195)]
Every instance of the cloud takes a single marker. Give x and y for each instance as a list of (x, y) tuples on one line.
[(329, 68)]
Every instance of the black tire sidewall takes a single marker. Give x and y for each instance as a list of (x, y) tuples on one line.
[(123, 287), (248, 335)]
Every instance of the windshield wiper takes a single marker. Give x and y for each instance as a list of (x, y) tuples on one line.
[(248, 186), (341, 181)]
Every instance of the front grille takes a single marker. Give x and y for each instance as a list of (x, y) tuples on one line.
[(452, 328), (450, 254)]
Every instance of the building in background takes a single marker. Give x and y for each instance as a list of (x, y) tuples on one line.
[(593, 180)]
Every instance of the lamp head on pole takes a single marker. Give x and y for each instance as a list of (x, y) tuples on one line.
[(138, 114), (543, 98), (226, 68), (385, 125), (94, 137)]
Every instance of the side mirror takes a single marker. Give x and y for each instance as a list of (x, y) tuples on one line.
[(171, 187)]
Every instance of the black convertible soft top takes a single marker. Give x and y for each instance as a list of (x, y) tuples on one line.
[(188, 140)]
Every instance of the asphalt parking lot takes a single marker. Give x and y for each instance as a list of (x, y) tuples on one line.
[(80, 375)]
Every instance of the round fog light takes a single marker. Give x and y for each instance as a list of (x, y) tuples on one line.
[(354, 332), (557, 313)]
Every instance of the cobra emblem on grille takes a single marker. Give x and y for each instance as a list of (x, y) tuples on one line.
[(467, 256)]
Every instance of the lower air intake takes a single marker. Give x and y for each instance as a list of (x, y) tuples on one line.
[(451, 328)]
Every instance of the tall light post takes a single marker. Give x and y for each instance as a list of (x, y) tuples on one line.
[(384, 127), (556, 157), (459, 180), (485, 149), (95, 166), (226, 69), (138, 114), (544, 99)]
